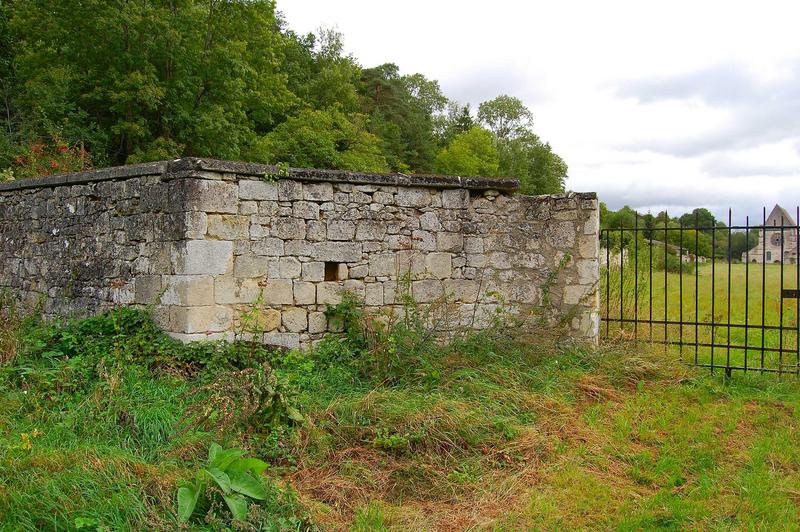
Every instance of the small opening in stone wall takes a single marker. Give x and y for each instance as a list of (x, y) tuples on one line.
[(333, 271)]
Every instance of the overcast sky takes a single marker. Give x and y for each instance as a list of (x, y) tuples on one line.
[(652, 104)]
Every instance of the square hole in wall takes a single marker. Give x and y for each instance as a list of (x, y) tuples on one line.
[(332, 271)]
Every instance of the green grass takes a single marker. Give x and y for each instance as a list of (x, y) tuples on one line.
[(689, 298), (487, 433)]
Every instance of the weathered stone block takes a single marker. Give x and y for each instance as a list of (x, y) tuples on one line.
[(278, 292), (228, 226), (439, 265), (289, 190), (329, 293), (305, 293), (257, 190), (229, 290), (188, 290), (318, 191), (463, 290), (212, 257), (427, 291), (383, 264), (271, 247), (289, 229), (313, 271), (306, 210), (147, 289), (317, 322), (289, 267), (413, 197), (337, 251), (295, 319), (288, 340), (211, 318), (374, 295), (341, 230), (212, 196)]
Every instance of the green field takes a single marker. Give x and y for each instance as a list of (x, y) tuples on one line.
[(688, 298)]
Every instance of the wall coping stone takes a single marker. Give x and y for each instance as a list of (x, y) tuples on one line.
[(200, 168)]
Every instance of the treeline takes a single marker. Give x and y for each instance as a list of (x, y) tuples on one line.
[(92, 83), (702, 231)]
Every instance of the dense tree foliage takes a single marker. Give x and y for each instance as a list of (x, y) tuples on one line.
[(712, 233), (92, 83)]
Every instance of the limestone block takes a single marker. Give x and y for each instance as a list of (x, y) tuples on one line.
[(289, 229), (318, 191), (384, 198), (413, 197), (266, 319), (254, 266), (196, 224), (358, 272), (383, 264), (316, 231), (258, 190), (398, 242), (228, 226), (423, 240), (455, 198), (449, 242), (188, 290), (210, 318), (499, 260), (560, 234), (589, 246), (426, 291), (370, 230), (329, 293), (305, 293), (278, 292), (317, 322), (463, 290), (355, 287), (202, 337), (341, 230), (288, 340), (229, 290), (313, 271), (374, 294), (146, 289), (295, 319), (289, 268), (203, 257), (573, 294), (342, 272), (289, 190), (474, 244), (306, 210), (588, 271), (439, 265), (248, 207), (212, 196), (410, 263), (298, 248), (337, 251), (430, 222), (476, 260)]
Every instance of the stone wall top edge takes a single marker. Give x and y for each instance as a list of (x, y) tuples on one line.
[(195, 167), (255, 170), (87, 176)]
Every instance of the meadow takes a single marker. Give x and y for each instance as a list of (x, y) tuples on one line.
[(688, 298), (104, 420)]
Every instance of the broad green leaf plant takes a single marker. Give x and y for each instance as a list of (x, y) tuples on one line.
[(238, 479)]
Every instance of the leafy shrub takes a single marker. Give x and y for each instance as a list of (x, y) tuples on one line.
[(227, 473)]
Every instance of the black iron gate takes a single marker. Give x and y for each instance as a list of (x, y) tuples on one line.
[(679, 284)]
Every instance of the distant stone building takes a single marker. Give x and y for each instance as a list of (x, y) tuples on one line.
[(770, 237)]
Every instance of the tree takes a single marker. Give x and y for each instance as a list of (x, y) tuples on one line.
[(322, 139), (506, 117), (538, 168), (698, 218), (471, 153)]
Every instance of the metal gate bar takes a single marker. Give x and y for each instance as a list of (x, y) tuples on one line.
[(707, 352)]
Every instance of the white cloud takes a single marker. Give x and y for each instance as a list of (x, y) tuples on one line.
[(672, 104)]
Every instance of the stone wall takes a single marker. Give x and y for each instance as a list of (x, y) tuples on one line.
[(206, 241)]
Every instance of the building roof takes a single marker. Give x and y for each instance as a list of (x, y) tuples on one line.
[(780, 216)]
